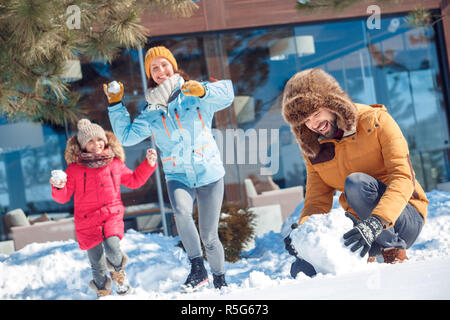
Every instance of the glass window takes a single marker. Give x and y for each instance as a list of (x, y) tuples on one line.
[(188, 52), (260, 62), (37, 164), (407, 78), (26, 162), (394, 65), (4, 197), (126, 69)]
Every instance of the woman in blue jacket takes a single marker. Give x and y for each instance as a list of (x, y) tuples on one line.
[(178, 116)]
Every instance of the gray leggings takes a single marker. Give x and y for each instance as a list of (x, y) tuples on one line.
[(209, 200), (97, 259), (363, 192)]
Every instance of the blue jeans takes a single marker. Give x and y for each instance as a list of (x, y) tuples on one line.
[(363, 192), (209, 200)]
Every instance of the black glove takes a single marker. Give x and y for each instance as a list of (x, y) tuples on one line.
[(304, 266), (364, 234), (288, 242), (351, 217), (299, 265)]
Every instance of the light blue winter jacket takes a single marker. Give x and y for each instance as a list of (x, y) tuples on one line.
[(187, 148)]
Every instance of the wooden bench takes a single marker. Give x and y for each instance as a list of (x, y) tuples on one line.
[(148, 209)]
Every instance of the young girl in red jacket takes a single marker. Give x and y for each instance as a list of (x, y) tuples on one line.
[(95, 171)]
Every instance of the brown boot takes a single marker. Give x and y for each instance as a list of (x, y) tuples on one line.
[(120, 277), (394, 255), (101, 292)]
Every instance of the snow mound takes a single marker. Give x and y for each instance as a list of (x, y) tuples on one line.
[(319, 241), (158, 266)]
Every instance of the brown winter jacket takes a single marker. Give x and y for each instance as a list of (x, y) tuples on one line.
[(373, 144)]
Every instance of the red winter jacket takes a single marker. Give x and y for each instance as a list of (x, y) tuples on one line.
[(98, 205)]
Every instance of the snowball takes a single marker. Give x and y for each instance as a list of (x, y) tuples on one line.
[(59, 176), (319, 241), (114, 87)]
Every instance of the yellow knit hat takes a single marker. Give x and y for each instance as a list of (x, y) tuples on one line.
[(155, 52)]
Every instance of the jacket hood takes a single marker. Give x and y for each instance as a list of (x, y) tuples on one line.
[(304, 94), (73, 148)]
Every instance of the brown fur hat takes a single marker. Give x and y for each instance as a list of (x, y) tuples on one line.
[(73, 148), (304, 94)]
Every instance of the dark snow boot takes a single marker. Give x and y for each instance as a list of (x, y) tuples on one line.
[(198, 276), (219, 281), (304, 266)]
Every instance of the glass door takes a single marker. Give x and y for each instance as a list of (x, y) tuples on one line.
[(408, 81)]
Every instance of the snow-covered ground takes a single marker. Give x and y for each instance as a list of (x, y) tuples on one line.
[(157, 268)]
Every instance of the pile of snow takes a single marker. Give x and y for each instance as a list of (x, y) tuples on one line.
[(157, 266), (319, 241)]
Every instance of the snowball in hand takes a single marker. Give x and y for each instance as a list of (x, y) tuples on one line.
[(114, 87), (319, 241), (58, 176)]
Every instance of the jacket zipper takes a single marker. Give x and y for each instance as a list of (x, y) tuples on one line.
[(178, 120), (201, 119), (84, 183), (164, 122), (112, 178), (103, 230)]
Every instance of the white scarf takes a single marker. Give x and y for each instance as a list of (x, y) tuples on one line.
[(158, 97)]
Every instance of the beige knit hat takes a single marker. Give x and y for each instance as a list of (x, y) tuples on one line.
[(88, 130)]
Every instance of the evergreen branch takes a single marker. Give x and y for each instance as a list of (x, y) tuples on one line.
[(423, 18), (417, 18), (178, 8), (36, 42)]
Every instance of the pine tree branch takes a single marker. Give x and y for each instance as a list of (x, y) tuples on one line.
[(416, 18), (35, 43)]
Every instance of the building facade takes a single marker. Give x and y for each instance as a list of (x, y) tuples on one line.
[(259, 45)]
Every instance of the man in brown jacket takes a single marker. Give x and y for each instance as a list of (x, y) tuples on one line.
[(359, 150)]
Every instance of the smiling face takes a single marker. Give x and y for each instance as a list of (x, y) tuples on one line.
[(161, 70), (95, 145), (323, 122)]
